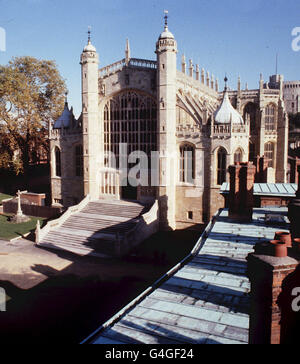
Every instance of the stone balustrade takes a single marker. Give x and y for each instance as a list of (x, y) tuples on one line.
[(133, 62), (147, 226)]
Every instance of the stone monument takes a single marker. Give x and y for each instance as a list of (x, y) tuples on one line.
[(19, 217)]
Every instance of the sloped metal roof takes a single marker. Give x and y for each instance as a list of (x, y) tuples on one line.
[(201, 300), (268, 189)]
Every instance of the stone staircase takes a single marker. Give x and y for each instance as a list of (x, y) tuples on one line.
[(96, 229)]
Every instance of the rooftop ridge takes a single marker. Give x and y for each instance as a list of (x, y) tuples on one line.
[(181, 76)]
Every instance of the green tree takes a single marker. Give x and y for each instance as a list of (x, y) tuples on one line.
[(31, 96)]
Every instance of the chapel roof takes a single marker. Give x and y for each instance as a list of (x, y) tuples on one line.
[(65, 119), (89, 47), (226, 113)]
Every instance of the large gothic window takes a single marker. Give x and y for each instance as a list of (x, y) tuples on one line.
[(187, 163), (78, 161), (57, 162), (269, 153), (270, 124), (221, 166), (130, 118)]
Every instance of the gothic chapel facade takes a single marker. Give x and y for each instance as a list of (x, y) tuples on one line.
[(143, 105)]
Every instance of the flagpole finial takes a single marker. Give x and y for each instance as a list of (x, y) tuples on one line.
[(89, 33), (166, 12)]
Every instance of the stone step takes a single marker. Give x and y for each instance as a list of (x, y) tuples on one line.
[(102, 246), (100, 217), (120, 210), (95, 228), (85, 234), (76, 250)]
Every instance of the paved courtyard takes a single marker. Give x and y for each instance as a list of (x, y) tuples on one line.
[(54, 295)]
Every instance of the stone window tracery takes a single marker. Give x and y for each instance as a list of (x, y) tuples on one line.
[(131, 118), (270, 124)]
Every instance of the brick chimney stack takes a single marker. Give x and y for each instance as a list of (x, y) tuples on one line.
[(273, 320), (241, 200)]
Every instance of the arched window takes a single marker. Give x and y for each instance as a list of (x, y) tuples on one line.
[(238, 155), (57, 162), (187, 163), (270, 118), (79, 161), (130, 117), (221, 166), (269, 153)]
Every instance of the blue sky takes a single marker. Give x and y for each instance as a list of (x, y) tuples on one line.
[(240, 37)]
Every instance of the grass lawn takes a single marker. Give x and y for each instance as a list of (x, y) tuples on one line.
[(9, 230), (3, 196)]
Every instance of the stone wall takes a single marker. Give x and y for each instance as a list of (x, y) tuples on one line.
[(11, 207)]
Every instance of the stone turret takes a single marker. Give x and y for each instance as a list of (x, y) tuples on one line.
[(166, 50), (90, 119)]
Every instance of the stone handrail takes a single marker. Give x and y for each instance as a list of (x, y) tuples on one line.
[(229, 129), (110, 182), (147, 226), (239, 128), (41, 233), (144, 63), (222, 129), (105, 71), (271, 92)]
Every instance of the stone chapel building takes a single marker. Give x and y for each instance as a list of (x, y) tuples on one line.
[(146, 105)]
